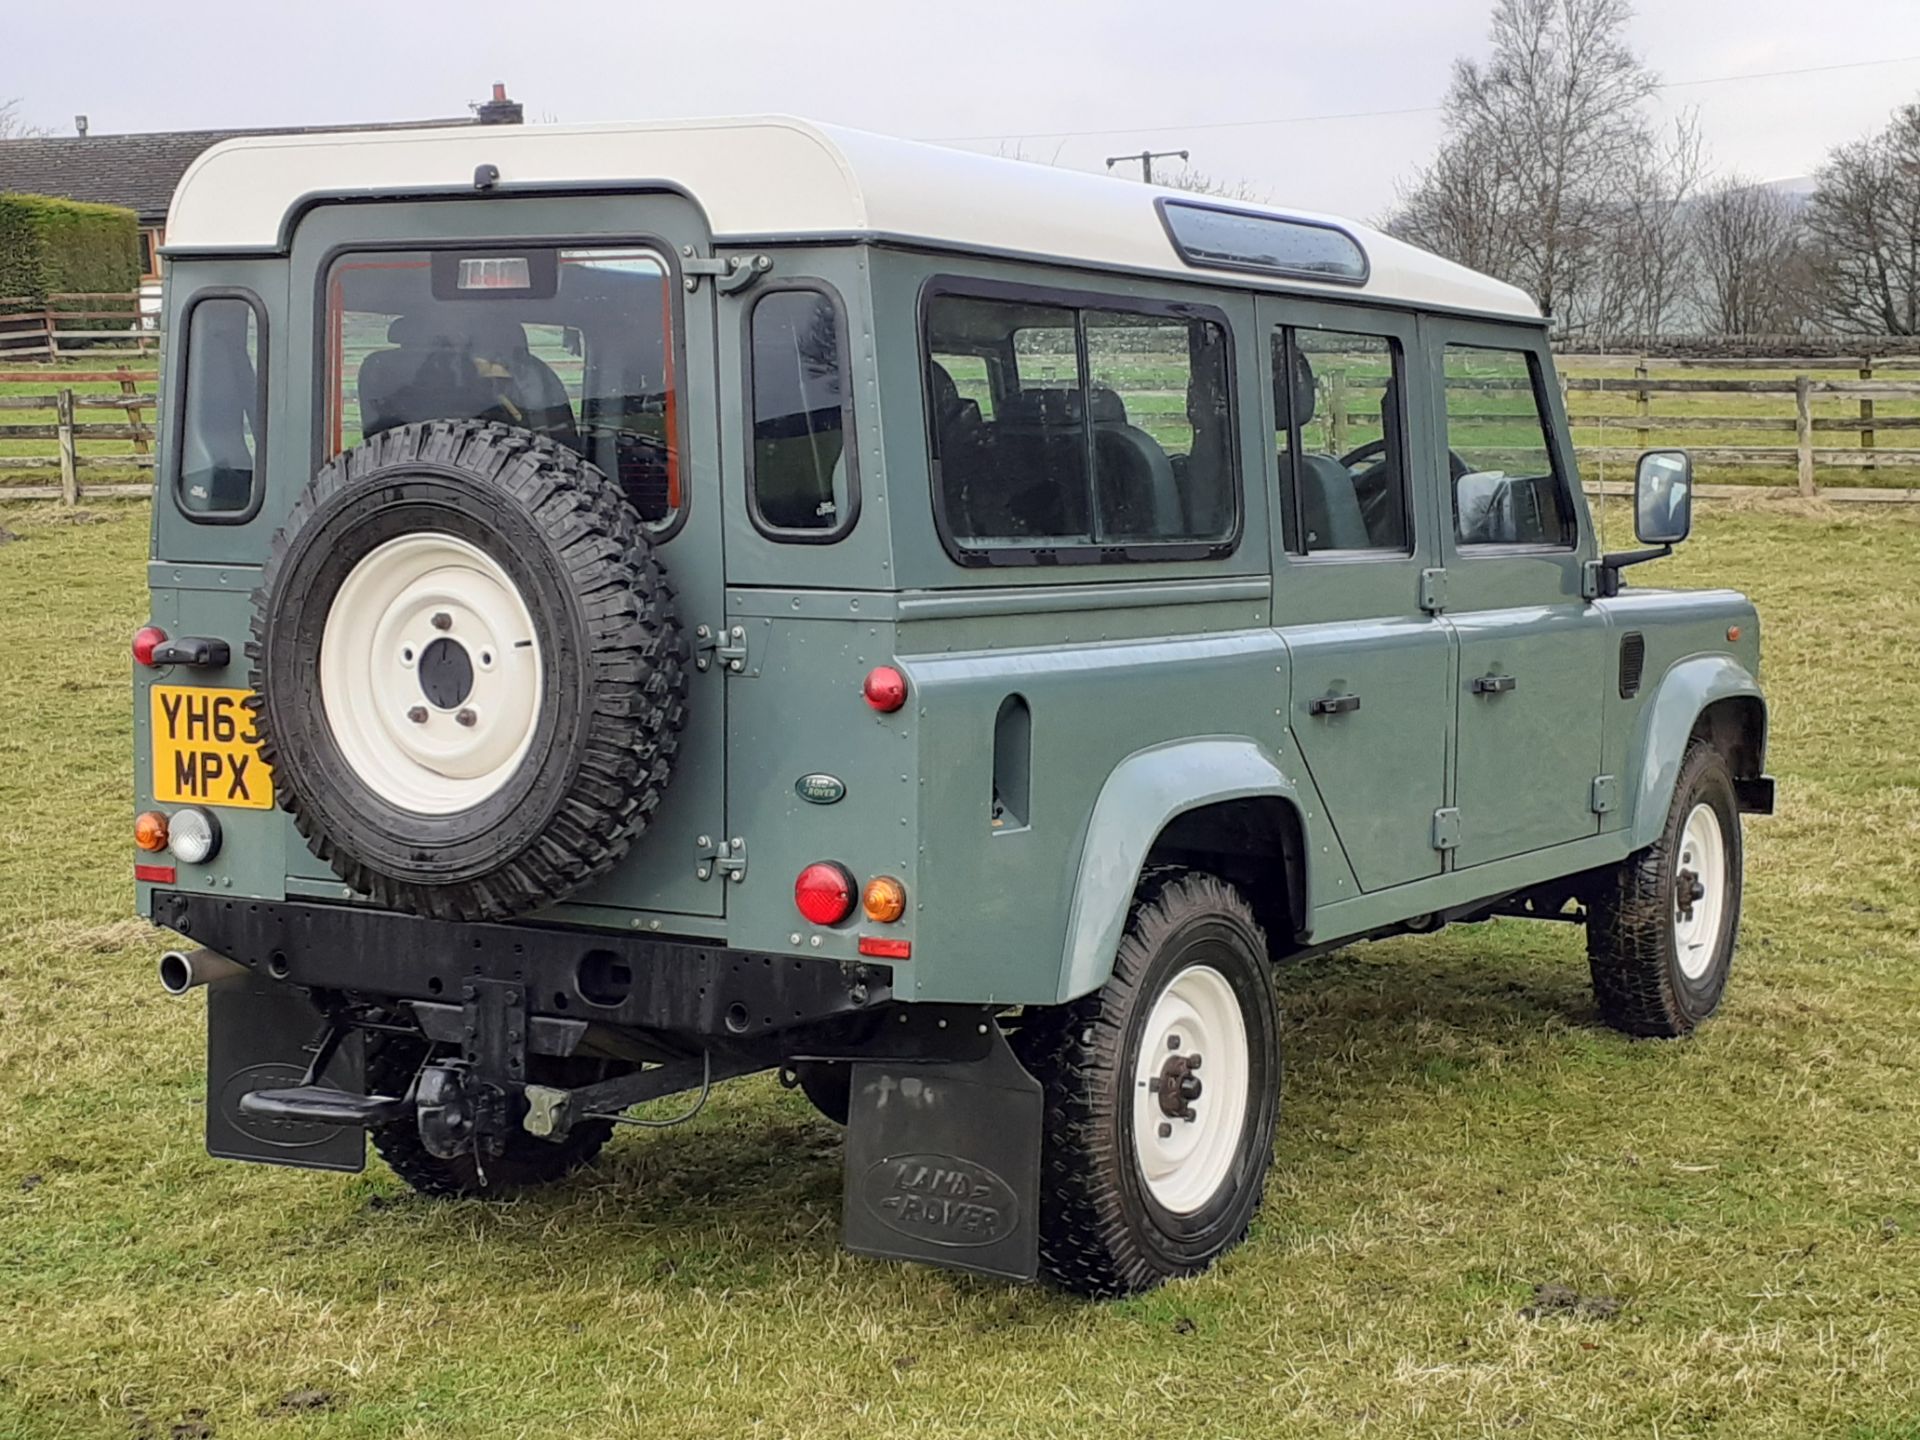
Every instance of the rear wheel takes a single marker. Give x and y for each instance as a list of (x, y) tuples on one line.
[(1162, 1092), (1661, 930), (529, 1162)]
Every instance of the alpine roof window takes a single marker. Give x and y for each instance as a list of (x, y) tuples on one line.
[(1219, 238)]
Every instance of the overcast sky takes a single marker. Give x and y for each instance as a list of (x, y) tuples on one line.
[(1160, 75)]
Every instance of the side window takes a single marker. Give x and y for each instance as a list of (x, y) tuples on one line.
[(1342, 441), (222, 402), (800, 468), (1063, 427), (1506, 489)]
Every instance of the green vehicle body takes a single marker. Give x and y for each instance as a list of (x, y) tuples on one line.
[(1067, 726)]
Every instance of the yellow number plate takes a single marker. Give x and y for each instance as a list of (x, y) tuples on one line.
[(205, 751)]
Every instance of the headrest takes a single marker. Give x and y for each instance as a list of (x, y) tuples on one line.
[(1303, 394), (946, 394), (1105, 406), (1053, 405), (469, 327)]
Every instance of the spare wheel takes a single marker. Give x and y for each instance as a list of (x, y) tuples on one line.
[(466, 670)]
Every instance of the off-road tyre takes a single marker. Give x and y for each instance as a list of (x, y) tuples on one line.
[(529, 1162), (611, 657), (1639, 979), (1102, 1233)]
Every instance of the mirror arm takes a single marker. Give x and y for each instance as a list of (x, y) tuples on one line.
[(1613, 562)]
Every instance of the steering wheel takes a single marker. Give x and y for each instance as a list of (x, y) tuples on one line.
[(1376, 450)]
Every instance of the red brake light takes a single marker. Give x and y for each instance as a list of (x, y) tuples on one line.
[(154, 874), (882, 948), (825, 892), (885, 689), (145, 641)]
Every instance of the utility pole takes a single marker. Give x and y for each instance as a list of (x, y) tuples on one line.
[(1146, 159)]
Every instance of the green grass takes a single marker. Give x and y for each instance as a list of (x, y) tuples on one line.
[(1457, 1129)]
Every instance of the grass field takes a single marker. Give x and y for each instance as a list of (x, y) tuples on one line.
[(1740, 1212)]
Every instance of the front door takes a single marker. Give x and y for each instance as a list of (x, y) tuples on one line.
[(609, 353), (1533, 653), (1372, 670)]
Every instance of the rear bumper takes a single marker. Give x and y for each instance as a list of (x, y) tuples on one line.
[(601, 976)]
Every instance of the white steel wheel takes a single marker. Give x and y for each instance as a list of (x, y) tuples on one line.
[(430, 673), (1699, 891), (1190, 1094)]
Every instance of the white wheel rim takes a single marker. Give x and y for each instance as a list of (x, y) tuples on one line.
[(1699, 891), (422, 742), (1184, 1161)]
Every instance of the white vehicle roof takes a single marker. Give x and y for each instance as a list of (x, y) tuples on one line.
[(765, 179)]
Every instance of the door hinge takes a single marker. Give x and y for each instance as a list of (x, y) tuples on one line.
[(730, 273), (1446, 829), (727, 857), (1606, 793), (728, 645), (1433, 591)]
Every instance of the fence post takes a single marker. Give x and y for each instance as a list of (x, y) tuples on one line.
[(1803, 425), (131, 389), (1866, 414), (53, 345), (1643, 403), (1337, 409), (69, 460)]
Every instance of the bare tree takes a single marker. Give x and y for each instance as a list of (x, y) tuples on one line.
[(13, 126), (1864, 220), (1750, 259), (1199, 182), (1547, 144), (1647, 258)]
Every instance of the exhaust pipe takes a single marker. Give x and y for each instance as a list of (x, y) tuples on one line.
[(182, 970)]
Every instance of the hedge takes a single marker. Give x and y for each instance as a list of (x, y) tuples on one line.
[(50, 246)]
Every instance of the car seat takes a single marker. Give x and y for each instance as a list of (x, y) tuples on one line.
[(1329, 508)]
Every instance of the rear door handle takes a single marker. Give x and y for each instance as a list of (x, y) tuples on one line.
[(1494, 684), (1333, 705)]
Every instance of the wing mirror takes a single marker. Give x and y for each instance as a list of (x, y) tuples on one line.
[(1663, 497), (1662, 518)]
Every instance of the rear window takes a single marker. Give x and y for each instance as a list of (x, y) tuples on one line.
[(221, 409), (573, 344), (802, 481), (1078, 432)]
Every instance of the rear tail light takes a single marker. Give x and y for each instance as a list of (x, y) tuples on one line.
[(146, 640), (885, 689), (150, 831), (825, 892), (884, 900)]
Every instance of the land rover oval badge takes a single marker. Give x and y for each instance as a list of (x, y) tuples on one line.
[(820, 789)]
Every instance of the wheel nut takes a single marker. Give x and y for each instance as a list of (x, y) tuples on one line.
[(1193, 1062), (466, 718), (1166, 1130), (1173, 1042), (418, 714), (442, 620)]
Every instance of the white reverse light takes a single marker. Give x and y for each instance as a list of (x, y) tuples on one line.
[(193, 836)]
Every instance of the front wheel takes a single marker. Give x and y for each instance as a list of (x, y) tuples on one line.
[(1661, 930), (1162, 1091)]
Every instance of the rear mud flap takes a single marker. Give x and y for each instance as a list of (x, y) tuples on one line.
[(262, 1037), (943, 1163)]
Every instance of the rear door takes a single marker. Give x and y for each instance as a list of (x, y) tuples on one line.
[(1372, 669), (633, 349)]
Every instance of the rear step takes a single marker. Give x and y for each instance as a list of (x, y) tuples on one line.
[(323, 1105)]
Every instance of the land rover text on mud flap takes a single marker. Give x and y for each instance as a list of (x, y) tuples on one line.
[(634, 606)]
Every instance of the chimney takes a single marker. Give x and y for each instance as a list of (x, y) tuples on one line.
[(500, 110), (80, 126)]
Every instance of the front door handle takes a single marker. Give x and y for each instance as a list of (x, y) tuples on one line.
[(1494, 684), (1333, 705)]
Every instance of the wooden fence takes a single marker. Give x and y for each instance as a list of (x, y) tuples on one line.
[(1788, 390), (70, 326), (68, 430)]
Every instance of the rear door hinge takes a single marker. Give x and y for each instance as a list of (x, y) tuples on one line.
[(1606, 794), (1433, 591), (724, 857), (1446, 829), (730, 273), (727, 645)]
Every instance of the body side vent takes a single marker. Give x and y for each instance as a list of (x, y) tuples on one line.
[(1633, 659)]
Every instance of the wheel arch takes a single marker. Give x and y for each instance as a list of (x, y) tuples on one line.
[(1711, 697), (1219, 803)]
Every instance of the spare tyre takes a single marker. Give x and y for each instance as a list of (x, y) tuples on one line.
[(466, 671)]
